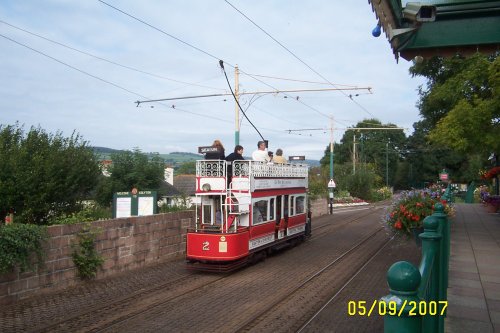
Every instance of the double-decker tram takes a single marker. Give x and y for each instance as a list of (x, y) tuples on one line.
[(244, 210)]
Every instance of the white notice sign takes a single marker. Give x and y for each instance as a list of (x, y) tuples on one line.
[(145, 206), (123, 207)]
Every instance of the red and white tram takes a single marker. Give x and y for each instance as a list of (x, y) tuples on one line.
[(244, 210)]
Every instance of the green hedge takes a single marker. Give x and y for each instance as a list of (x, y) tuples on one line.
[(18, 244)]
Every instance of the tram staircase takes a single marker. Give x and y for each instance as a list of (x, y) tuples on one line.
[(235, 204), (421, 293)]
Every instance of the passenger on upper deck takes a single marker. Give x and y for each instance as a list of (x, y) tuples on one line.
[(237, 155), (279, 157), (261, 153), (219, 154)]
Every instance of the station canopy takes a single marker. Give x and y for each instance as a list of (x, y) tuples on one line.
[(439, 28)]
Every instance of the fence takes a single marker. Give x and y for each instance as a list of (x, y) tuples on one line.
[(418, 296)]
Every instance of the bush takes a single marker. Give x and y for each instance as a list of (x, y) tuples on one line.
[(360, 185), (18, 244), (43, 174), (381, 194), (86, 258), (89, 213)]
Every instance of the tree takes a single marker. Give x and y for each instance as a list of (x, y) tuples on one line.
[(380, 148), (461, 105), (43, 175), (131, 169), (186, 168)]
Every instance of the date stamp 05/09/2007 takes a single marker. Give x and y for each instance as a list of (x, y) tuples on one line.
[(392, 308)]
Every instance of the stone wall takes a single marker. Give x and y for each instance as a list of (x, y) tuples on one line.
[(124, 243), (319, 207)]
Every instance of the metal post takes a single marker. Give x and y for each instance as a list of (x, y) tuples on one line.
[(444, 228), (236, 108), (430, 270), (387, 164), (354, 154), (331, 164), (403, 279)]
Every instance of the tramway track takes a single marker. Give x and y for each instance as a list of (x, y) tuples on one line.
[(304, 292), (327, 227), (125, 308), (334, 297)]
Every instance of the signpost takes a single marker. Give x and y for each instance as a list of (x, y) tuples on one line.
[(443, 176), (134, 203), (331, 186)]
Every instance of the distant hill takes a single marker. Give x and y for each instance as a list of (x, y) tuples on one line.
[(175, 158)]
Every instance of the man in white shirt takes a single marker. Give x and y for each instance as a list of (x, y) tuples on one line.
[(261, 153)]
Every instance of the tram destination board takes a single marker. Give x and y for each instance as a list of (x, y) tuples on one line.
[(207, 149)]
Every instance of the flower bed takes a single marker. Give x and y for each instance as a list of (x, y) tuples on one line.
[(492, 202), (411, 207)]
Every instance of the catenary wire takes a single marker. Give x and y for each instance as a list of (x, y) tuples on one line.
[(107, 60), (296, 57), (295, 80), (118, 86), (72, 67), (202, 51)]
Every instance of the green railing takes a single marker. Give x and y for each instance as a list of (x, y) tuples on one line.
[(418, 296)]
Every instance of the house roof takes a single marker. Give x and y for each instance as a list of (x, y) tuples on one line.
[(185, 184), (460, 26), (168, 190)]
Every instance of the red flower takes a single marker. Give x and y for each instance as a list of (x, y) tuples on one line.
[(491, 173), (398, 225)]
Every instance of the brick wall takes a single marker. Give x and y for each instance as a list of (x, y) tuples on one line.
[(124, 243), (319, 207)]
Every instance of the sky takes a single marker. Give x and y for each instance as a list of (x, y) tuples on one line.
[(80, 66)]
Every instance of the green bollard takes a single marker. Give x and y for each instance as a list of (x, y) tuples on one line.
[(403, 279)]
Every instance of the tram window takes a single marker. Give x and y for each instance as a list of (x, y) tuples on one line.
[(292, 205), (285, 208), (207, 214), (260, 211), (299, 205), (271, 209)]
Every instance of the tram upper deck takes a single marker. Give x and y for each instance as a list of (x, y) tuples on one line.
[(247, 176)]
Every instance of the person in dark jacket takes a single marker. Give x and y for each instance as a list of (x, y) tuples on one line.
[(219, 154), (237, 155)]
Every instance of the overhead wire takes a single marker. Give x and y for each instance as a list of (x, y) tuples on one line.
[(118, 86), (160, 30), (107, 60), (72, 67), (296, 57), (302, 81), (201, 50)]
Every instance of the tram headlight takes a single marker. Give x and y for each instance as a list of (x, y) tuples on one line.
[(205, 187)]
